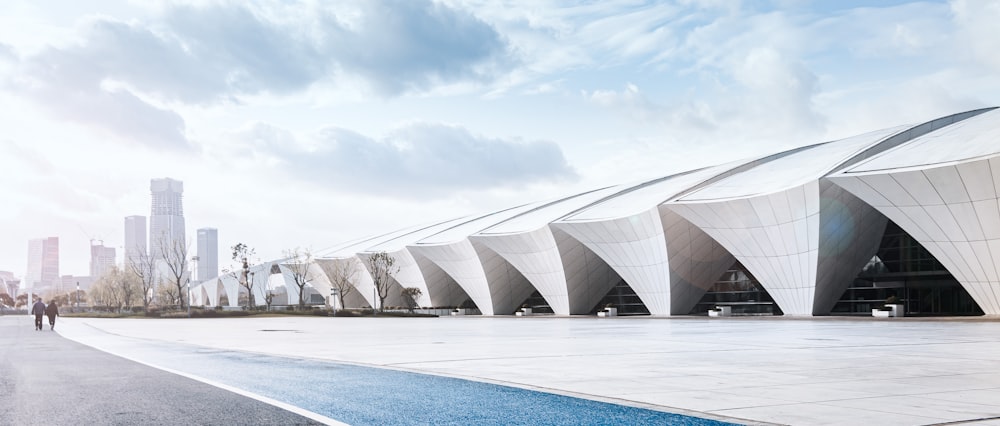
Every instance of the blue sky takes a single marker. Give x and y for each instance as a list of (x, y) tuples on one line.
[(309, 123)]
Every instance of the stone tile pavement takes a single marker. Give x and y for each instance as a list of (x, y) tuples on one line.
[(823, 371)]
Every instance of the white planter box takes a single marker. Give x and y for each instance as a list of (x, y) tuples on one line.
[(458, 311), (897, 310), (608, 312), (721, 311), (523, 312)]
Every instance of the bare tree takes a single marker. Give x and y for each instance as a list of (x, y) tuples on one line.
[(382, 266), (143, 267), (103, 293), (410, 296), (341, 274), (116, 289), (242, 255), (127, 285), (268, 298), (175, 254), (299, 262), (167, 293)]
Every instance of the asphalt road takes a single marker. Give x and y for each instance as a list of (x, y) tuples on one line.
[(47, 379)]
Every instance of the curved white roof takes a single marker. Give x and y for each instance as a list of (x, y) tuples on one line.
[(647, 195), (537, 218), (791, 170), (968, 139), (461, 231), (354, 247), (401, 241)]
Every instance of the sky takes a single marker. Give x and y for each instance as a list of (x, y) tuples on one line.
[(303, 124)]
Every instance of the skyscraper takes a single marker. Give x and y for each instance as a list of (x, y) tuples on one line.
[(135, 238), (101, 259), (208, 253), (43, 264), (166, 221)]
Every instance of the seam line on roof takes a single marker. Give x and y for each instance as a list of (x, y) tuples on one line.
[(957, 119)]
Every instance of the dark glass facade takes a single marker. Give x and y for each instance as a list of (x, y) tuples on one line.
[(624, 299), (904, 269), (738, 289)]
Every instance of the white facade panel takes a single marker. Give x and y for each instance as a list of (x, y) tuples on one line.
[(441, 287), (805, 264), (959, 233), (473, 268), (635, 248), (536, 256)]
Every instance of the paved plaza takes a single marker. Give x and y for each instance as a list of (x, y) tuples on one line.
[(46, 379), (820, 371)]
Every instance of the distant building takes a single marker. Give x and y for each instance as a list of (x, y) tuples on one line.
[(208, 253), (135, 238), (8, 283), (43, 264), (101, 259), (166, 221)]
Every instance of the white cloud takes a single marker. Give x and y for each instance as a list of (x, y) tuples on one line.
[(415, 160), (112, 94), (976, 21), (131, 78)]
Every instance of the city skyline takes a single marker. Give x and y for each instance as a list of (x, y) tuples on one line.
[(166, 207), (340, 116)]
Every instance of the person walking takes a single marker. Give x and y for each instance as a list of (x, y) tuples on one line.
[(52, 311), (38, 309)]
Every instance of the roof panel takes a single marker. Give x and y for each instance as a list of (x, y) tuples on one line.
[(971, 138), (537, 218), (648, 194), (463, 230), (790, 170), (400, 241)]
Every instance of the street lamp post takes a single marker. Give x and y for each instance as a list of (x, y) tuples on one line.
[(77, 296), (189, 297)]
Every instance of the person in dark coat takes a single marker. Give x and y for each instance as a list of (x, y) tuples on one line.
[(52, 311), (38, 309)]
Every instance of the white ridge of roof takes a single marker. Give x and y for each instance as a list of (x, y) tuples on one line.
[(647, 195), (353, 247), (401, 241), (535, 219), (790, 170), (463, 230), (972, 138)]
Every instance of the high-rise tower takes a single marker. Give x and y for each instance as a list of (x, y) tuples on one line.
[(43, 264), (101, 259), (135, 238), (166, 220), (208, 253)]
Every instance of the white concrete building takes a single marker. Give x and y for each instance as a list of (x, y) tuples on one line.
[(807, 224), (208, 253), (166, 220), (135, 238)]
